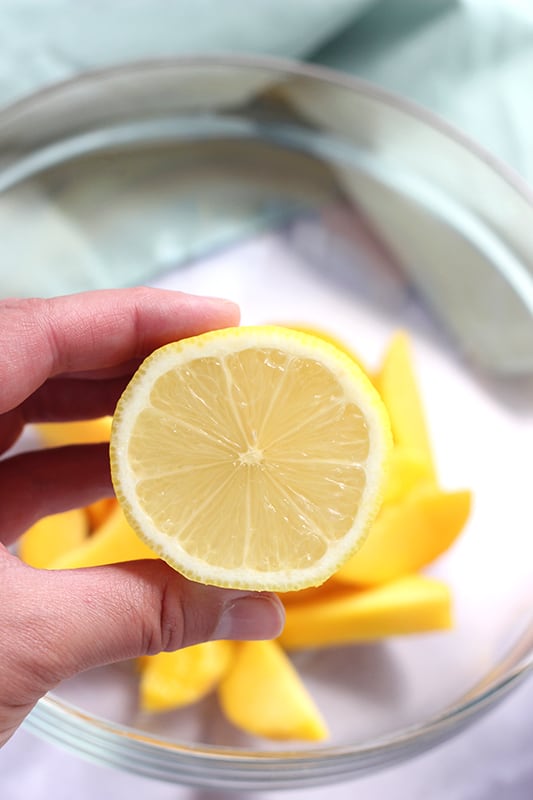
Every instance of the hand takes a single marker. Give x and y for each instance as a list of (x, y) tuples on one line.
[(70, 358)]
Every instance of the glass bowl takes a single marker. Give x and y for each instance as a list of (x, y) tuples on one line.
[(311, 198)]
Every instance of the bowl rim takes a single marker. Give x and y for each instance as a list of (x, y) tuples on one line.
[(413, 738), (289, 66), (437, 728)]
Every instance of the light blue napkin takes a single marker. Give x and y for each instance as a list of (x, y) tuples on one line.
[(470, 61), (42, 41)]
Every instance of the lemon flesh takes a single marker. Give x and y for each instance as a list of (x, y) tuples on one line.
[(250, 457)]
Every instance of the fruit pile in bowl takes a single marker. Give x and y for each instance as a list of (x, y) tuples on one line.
[(377, 592)]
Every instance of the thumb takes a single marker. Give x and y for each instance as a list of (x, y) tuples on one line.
[(58, 623)]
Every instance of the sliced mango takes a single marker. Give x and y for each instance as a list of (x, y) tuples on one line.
[(173, 680), (53, 536), (408, 536), (113, 542), (397, 383), (311, 593), (326, 336), (263, 695), (99, 511), (89, 431), (375, 595), (406, 469), (413, 604)]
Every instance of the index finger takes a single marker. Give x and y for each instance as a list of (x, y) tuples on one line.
[(95, 330)]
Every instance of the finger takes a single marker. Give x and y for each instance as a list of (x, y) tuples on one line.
[(35, 484), (116, 371), (11, 427), (63, 399), (94, 331), (61, 623)]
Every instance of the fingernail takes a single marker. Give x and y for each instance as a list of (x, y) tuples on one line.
[(253, 616)]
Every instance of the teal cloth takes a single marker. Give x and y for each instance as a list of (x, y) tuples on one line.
[(471, 61)]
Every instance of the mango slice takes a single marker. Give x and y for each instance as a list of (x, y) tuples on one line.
[(408, 535), (407, 469), (99, 511), (173, 680), (113, 542), (263, 695), (89, 431), (311, 593), (413, 604), (397, 383), (52, 536), (326, 336)]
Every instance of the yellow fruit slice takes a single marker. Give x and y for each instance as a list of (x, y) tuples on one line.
[(414, 604), (99, 511), (408, 536), (90, 431), (52, 537), (263, 695), (407, 469), (250, 457), (326, 336), (311, 593), (397, 383), (112, 543), (173, 680)]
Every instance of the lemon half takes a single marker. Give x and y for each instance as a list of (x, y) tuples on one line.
[(250, 457)]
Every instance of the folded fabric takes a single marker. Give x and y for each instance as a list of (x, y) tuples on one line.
[(471, 61), (43, 41)]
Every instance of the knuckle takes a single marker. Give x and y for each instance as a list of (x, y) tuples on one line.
[(23, 306), (164, 627), (26, 343)]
